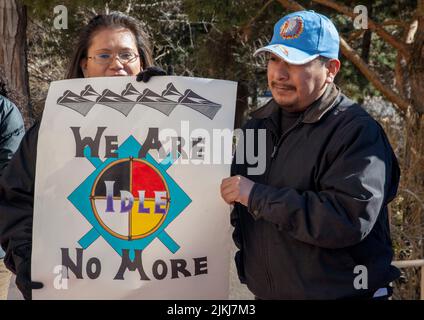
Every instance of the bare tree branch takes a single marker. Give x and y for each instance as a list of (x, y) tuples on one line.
[(245, 30), (355, 34), (411, 32), (129, 7), (399, 79), (291, 5), (401, 72), (394, 22), (348, 52), (378, 29)]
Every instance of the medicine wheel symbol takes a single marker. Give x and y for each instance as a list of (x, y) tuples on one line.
[(144, 217)]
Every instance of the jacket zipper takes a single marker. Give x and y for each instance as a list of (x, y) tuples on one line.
[(273, 154)]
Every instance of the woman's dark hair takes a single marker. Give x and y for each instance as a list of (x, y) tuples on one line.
[(111, 20)]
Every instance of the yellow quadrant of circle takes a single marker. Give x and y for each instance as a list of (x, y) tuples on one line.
[(143, 224)]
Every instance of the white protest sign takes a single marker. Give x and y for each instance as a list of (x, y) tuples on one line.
[(127, 191)]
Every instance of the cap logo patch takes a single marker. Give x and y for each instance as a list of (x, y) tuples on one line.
[(291, 28)]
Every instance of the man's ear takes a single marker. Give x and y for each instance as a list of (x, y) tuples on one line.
[(333, 67), (83, 65)]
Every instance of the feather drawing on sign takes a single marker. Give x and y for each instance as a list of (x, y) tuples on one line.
[(76, 102), (200, 104), (130, 96)]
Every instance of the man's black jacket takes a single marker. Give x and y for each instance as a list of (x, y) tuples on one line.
[(320, 208)]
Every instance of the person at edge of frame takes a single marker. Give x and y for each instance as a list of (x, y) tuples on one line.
[(113, 44)]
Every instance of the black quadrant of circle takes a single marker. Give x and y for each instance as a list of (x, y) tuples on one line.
[(120, 173)]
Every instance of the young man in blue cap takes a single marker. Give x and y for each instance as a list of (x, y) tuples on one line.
[(315, 224)]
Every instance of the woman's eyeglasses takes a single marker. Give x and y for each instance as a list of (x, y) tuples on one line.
[(108, 58)]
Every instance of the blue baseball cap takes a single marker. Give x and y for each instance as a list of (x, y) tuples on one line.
[(302, 36)]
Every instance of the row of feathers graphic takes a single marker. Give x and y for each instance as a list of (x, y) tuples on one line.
[(125, 102)]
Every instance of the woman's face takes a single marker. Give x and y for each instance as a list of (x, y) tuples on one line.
[(108, 54)]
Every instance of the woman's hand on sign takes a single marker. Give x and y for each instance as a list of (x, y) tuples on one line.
[(149, 72), (22, 261)]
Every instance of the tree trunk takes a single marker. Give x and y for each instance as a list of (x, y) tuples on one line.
[(412, 192), (13, 57), (414, 151), (416, 66)]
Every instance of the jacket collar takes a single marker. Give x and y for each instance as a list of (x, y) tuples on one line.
[(313, 113)]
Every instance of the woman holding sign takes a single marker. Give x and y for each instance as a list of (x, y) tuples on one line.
[(109, 45)]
